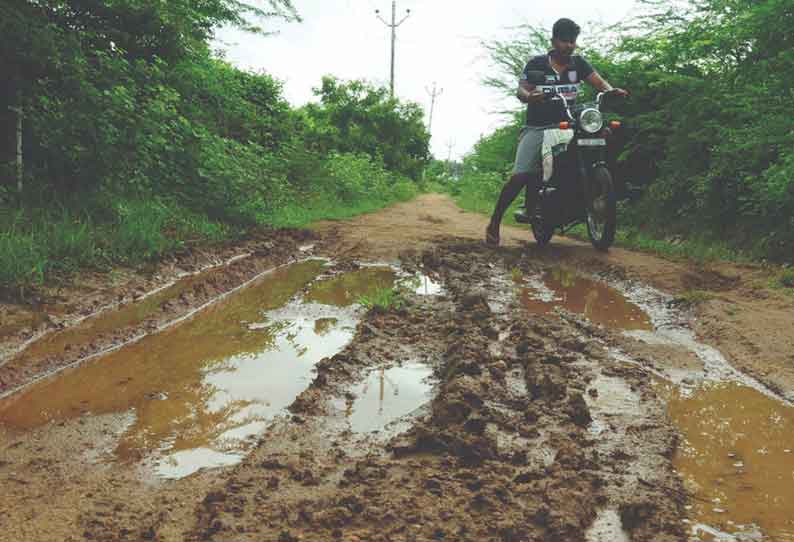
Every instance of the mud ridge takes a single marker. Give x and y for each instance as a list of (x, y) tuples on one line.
[(60, 344)]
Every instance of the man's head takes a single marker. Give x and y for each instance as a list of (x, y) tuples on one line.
[(563, 36)]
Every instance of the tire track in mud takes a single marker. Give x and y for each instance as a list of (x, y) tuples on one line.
[(537, 428), (520, 442), (132, 312)]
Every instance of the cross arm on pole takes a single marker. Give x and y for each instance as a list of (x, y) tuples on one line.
[(379, 16), (407, 14)]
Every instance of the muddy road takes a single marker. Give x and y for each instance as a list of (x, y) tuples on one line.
[(390, 378)]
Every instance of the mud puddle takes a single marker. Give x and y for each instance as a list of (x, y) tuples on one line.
[(200, 392), (112, 318), (350, 287), (737, 450), (736, 456), (387, 395), (564, 288)]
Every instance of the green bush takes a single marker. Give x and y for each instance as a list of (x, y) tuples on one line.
[(70, 241), (355, 176), (138, 139)]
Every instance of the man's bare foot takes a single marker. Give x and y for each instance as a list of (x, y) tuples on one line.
[(492, 236)]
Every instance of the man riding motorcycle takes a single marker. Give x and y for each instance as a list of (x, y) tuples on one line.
[(565, 71)]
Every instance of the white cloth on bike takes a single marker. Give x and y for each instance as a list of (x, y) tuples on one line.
[(555, 141)]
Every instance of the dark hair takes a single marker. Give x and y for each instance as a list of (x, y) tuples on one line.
[(565, 30)]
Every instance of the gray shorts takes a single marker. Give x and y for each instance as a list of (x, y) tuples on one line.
[(530, 141)]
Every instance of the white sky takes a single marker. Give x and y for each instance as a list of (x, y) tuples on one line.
[(439, 42)]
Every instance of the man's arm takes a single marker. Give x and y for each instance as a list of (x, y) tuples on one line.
[(527, 93), (600, 84)]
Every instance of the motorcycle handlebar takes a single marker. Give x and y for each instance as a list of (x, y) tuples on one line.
[(610, 92)]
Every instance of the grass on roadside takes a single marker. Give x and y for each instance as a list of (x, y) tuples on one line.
[(37, 242), (784, 279), (698, 250), (42, 240), (694, 297)]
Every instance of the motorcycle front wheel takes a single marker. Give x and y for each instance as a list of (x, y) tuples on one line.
[(601, 209), (542, 232)]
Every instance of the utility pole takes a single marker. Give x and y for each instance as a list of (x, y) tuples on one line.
[(450, 146), (393, 25), (20, 169), (436, 92)]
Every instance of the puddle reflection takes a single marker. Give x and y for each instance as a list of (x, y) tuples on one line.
[(599, 303), (387, 395), (346, 289), (199, 388), (424, 285), (737, 457)]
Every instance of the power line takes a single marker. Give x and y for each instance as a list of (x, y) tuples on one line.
[(393, 25)]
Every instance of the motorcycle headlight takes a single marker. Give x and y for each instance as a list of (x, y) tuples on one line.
[(591, 120)]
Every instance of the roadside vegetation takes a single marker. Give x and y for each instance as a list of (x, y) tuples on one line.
[(140, 141), (709, 135)]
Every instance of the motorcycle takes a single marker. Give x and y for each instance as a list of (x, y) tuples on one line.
[(581, 188)]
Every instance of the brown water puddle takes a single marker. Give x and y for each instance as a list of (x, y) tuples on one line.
[(84, 333), (387, 395), (198, 389), (737, 457), (346, 289), (198, 392), (564, 288)]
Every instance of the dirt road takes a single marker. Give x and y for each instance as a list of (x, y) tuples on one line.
[(505, 394)]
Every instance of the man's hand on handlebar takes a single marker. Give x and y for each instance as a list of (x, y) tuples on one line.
[(619, 92), (535, 96)]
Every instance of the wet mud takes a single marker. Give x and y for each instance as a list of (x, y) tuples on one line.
[(503, 450), (105, 312), (506, 395)]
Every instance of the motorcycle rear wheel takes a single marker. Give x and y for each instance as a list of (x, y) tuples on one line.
[(601, 209)]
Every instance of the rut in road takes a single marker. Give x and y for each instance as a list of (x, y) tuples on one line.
[(499, 404), (508, 449)]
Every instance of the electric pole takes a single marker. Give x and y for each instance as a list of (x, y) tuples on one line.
[(436, 92), (450, 146), (393, 25), (20, 169)]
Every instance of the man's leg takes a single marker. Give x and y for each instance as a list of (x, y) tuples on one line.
[(516, 183), (525, 173)]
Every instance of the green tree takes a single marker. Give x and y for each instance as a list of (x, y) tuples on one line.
[(355, 116)]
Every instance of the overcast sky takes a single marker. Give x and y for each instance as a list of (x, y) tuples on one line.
[(439, 42)]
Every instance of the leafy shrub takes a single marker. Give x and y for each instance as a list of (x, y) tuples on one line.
[(353, 176)]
